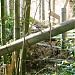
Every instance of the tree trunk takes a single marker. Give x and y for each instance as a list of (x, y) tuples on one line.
[(37, 37)]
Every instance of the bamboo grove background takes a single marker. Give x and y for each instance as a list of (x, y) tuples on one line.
[(16, 18)]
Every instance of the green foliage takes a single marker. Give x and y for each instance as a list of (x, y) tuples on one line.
[(9, 24), (67, 69), (9, 28), (32, 20)]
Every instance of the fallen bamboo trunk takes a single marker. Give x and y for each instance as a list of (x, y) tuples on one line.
[(37, 37)]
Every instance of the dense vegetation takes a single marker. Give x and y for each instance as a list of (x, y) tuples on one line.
[(51, 55)]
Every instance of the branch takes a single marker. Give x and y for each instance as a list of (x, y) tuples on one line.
[(54, 15)]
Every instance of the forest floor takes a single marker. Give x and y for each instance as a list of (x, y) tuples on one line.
[(43, 58)]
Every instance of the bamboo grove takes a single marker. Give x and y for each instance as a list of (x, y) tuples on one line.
[(15, 36)]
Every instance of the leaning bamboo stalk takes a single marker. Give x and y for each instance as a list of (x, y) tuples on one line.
[(37, 37)]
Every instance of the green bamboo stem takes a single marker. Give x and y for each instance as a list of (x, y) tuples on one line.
[(27, 16), (5, 7), (17, 32), (73, 6), (3, 28), (26, 29), (11, 7), (63, 18), (43, 10), (40, 10)]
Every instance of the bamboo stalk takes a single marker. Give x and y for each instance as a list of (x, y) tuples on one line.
[(37, 37), (26, 29), (43, 10), (63, 18), (17, 32)]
